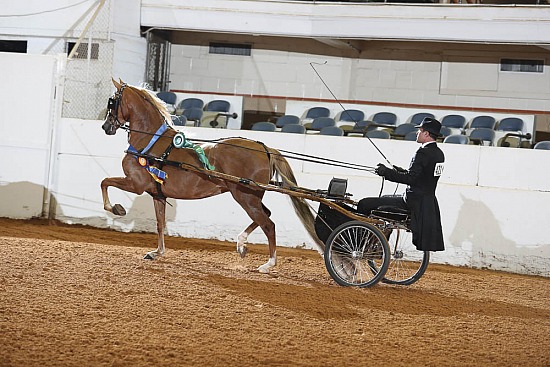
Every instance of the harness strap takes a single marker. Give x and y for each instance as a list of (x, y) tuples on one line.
[(268, 157), (155, 137)]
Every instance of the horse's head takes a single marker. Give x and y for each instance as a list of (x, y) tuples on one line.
[(114, 111)]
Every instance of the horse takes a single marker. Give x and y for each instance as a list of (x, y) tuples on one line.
[(151, 139)]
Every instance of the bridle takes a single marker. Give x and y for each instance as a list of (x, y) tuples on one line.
[(112, 123)]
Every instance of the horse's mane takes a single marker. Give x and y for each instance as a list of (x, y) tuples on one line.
[(155, 101)]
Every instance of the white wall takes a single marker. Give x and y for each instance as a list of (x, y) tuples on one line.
[(27, 131)]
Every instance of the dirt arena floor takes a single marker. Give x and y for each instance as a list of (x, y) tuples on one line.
[(79, 296)]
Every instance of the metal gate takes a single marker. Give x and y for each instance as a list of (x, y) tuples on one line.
[(157, 67)]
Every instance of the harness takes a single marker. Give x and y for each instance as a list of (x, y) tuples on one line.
[(152, 164)]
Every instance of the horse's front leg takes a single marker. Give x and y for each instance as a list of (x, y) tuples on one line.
[(160, 212), (122, 183)]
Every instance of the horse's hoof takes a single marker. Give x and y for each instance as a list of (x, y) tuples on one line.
[(119, 210), (242, 251), (263, 269), (148, 257)]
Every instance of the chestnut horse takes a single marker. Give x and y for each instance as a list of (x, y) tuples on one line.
[(145, 118)]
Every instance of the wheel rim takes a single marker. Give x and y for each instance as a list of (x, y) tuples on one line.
[(407, 264), (356, 255)]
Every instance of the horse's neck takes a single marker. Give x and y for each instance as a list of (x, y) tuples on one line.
[(143, 126)]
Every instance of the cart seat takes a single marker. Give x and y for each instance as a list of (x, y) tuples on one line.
[(391, 213)]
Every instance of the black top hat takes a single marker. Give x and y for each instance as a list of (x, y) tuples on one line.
[(430, 125)]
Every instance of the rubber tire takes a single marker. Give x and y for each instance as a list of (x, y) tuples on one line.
[(399, 267), (353, 256)]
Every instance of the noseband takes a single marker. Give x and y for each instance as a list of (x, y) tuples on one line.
[(112, 123)]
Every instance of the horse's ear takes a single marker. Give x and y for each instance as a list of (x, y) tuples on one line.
[(115, 83)]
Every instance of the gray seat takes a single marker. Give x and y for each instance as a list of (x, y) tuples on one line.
[(287, 119), (264, 126), (332, 130), (378, 134), (457, 139), (542, 145), (482, 135), (293, 128)]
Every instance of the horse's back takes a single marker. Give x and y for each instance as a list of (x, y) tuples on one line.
[(240, 157)]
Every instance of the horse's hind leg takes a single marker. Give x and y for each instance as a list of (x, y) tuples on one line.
[(243, 236), (160, 212), (259, 214)]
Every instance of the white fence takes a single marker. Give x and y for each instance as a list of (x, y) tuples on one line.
[(495, 202)]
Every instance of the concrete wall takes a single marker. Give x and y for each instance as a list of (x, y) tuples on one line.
[(464, 77), (495, 203)]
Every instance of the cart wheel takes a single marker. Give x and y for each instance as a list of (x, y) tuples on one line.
[(357, 254), (407, 264)]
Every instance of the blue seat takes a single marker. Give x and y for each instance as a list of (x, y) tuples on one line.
[(361, 127), (320, 122), (457, 139), (264, 126), (189, 103), (332, 130), (417, 118), (378, 134), (510, 124), (170, 99), (315, 112), (445, 131), (542, 145), (482, 135), (456, 123), (218, 105), (351, 115), (287, 119), (402, 130), (385, 118), (179, 120), (293, 128), (487, 122), (193, 114), (410, 136)]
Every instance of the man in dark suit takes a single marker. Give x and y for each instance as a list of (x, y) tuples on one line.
[(419, 197)]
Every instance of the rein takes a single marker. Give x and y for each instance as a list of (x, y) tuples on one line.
[(289, 154)]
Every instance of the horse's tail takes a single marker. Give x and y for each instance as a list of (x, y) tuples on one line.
[(301, 207)]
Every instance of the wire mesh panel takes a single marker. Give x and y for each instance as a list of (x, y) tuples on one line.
[(89, 68)]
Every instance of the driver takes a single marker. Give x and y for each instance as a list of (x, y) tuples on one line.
[(419, 197)]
